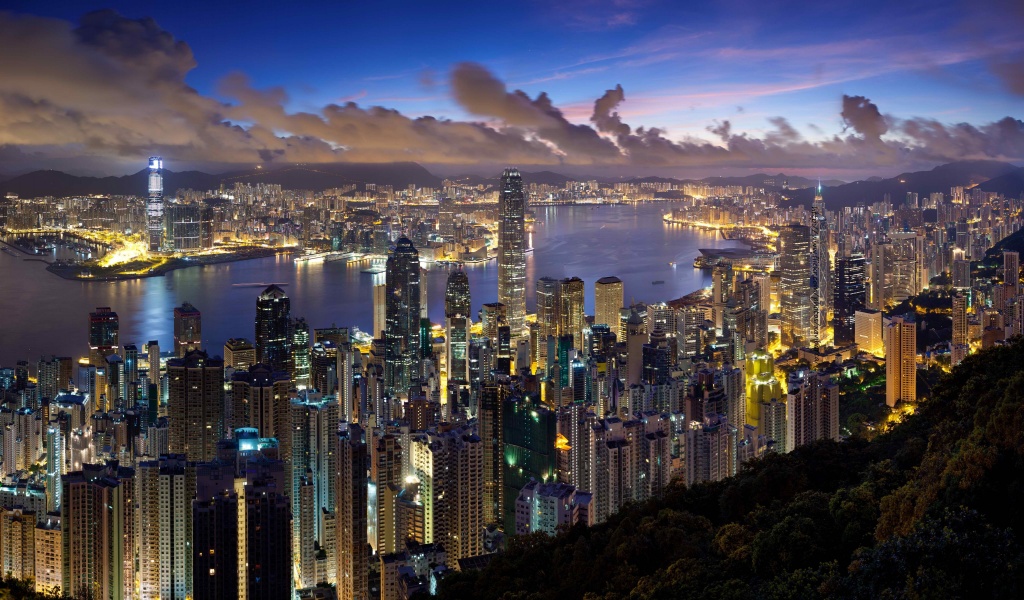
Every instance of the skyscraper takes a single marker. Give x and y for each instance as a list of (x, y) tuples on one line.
[(609, 297), (959, 348), (195, 405), (165, 488), (571, 317), (239, 354), (529, 430), (820, 270), (901, 360), (155, 204), (300, 358), (402, 356), (1011, 271), (103, 335), (351, 517), (457, 323), (850, 296), (273, 339), (512, 250), (188, 329), (795, 284)]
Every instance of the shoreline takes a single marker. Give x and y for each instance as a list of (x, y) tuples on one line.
[(79, 272)]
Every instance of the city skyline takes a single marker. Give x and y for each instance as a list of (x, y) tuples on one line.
[(634, 87)]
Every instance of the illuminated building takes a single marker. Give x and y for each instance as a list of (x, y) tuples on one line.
[(548, 307), (155, 204), (53, 375), (314, 420), (165, 489), (812, 409), (551, 508), (239, 354), (49, 553), (492, 434), (402, 353), (300, 356), (184, 227), (629, 461), (259, 399), (449, 468), (959, 348), (457, 325), (794, 285), (820, 293), (98, 520), (762, 386), (711, 447), (512, 250), (446, 218), (529, 430), (273, 342), (571, 318), (609, 297), (1011, 271), (195, 405), (636, 337), (103, 335), (868, 332), (901, 360), (351, 514), (188, 328), (17, 542), (850, 296), (380, 309), (386, 473)]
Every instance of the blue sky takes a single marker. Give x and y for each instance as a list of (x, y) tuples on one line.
[(684, 66)]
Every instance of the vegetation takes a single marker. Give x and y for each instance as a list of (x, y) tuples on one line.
[(926, 510)]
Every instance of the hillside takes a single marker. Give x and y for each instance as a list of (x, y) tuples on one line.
[(929, 510), (1011, 184)]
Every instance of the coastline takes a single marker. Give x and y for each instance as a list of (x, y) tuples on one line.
[(92, 273)]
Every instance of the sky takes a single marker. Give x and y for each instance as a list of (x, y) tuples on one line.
[(626, 86)]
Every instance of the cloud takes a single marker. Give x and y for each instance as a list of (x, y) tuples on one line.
[(113, 88)]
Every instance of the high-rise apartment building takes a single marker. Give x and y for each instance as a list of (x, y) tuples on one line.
[(165, 489), (195, 405), (609, 298), (1011, 271), (812, 409), (17, 542), (402, 353), (380, 309), (239, 354), (512, 250), (188, 329), (273, 320), (299, 367), (901, 360), (351, 517), (959, 345), (49, 554)]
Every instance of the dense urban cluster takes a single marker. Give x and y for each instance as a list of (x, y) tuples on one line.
[(317, 463)]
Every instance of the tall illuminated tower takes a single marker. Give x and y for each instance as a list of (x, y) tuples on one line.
[(512, 250), (820, 271), (457, 324), (609, 298), (402, 357), (155, 204), (794, 285), (850, 295), (188, 329), (273, 339)]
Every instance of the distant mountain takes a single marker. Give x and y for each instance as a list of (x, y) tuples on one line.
[(538, 177), (939, 179), (1011, 184), (308, 177)]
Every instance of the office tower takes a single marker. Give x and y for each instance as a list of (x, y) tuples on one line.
[(868, 332), (636, 337), (380, 309), (721, 290), (812, 409), (130, 375), (529, 430), (457, 324), (446, 218), (512, 250), (187, 329), (165, 489), (155, 204), (273, 339), (103, 335), (17, 542), (795, 284), (259, 399), (901, 360), (49, 553), (402, 353), (762, 386), (959, 348), (449, 467), (961, 273), (1011, 271), (239, 354), (571, 318), (195, 405), (548, 293), (300, 358), (609, 297), (351, 517), (98, 532), (53, 374), (820, 270), (850, 296)]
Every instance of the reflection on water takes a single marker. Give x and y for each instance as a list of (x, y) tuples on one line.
[(41, 313)]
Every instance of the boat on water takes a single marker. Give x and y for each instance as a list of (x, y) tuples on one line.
[(258, 284)]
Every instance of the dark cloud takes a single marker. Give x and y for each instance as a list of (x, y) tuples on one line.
[(114, 89), (1011, 72), (861, 115)]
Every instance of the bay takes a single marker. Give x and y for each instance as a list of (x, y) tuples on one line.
[(42, 314)]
